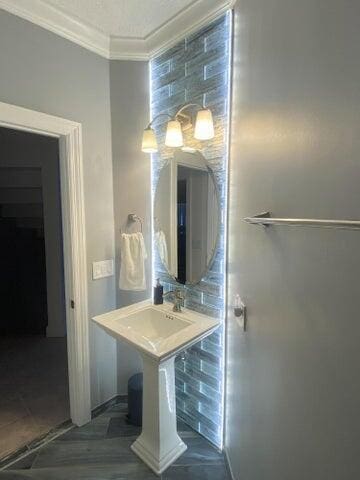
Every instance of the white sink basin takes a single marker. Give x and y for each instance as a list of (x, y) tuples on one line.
[(155, 329), (154, 326), (158, 334)]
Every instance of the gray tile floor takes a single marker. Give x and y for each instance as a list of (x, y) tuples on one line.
[(101, 451), (34, 394)]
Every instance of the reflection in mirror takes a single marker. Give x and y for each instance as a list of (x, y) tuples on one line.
[(186, 217)]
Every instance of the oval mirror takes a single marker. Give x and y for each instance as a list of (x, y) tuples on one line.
[(186, 216)]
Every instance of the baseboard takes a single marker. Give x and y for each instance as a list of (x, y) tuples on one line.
[(96, 411), (228, 464)]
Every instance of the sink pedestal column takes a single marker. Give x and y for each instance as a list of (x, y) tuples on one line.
[(159, 444)]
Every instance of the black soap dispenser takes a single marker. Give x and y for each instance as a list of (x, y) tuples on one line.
[(158, 293)]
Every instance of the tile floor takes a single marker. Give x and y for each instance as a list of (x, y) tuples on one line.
[(34, 394), (101, 451)]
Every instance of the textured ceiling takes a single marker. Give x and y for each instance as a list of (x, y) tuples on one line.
[(123, 18)]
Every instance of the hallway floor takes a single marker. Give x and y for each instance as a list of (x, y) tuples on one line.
[(101, 451), (34, 389)]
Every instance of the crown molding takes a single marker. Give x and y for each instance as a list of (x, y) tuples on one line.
[(187, 22), (196, 15), (128, 49)]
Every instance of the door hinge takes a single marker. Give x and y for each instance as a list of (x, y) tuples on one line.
[(72, 304)]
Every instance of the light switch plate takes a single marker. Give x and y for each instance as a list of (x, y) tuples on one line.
[(102, 269)]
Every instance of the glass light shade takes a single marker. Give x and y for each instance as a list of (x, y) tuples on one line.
[(149, 143), (174, 137), (204, 125)]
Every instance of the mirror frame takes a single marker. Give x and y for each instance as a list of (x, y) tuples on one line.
[(217, 192)]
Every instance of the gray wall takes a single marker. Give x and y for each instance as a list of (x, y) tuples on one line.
[(293, 384), (129, 89), (44, 72)]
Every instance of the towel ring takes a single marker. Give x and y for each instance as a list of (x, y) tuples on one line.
[(132, 218)]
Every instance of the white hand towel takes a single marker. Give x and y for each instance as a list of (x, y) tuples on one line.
[(160, 240), (133, 256)]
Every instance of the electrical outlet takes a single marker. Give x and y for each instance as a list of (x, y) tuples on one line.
[(102, 269)]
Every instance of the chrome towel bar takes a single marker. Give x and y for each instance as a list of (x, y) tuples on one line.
[(266, 220)]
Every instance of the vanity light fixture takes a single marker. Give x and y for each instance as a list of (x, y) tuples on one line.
[(204, 128), (174, 136), (204, 125), (149, 142)]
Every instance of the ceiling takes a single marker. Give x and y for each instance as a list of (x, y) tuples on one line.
[(120, 29), (123, 18)]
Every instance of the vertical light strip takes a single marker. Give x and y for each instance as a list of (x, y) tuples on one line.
[(227, 142), (152, 187)]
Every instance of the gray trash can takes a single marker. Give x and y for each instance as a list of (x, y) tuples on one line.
[(135, 394)]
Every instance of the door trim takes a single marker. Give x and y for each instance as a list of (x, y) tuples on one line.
[(69, 134)]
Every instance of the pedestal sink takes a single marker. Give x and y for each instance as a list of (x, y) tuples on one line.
[(159, 334)]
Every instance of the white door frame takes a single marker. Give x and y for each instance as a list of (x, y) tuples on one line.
[(74, 244)]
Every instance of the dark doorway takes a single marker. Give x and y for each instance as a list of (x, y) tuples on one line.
[(33, 354), (22, 254)]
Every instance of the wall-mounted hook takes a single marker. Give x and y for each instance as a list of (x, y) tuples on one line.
[(132, 218)]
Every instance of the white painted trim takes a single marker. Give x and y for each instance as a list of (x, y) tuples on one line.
[(196, 15), (74, 239), (128, 49)]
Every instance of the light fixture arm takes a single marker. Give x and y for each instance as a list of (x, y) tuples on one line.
[(187, 105), (158, 116), (183, 107)]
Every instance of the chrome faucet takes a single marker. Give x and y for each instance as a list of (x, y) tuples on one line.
[(177, 298)]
